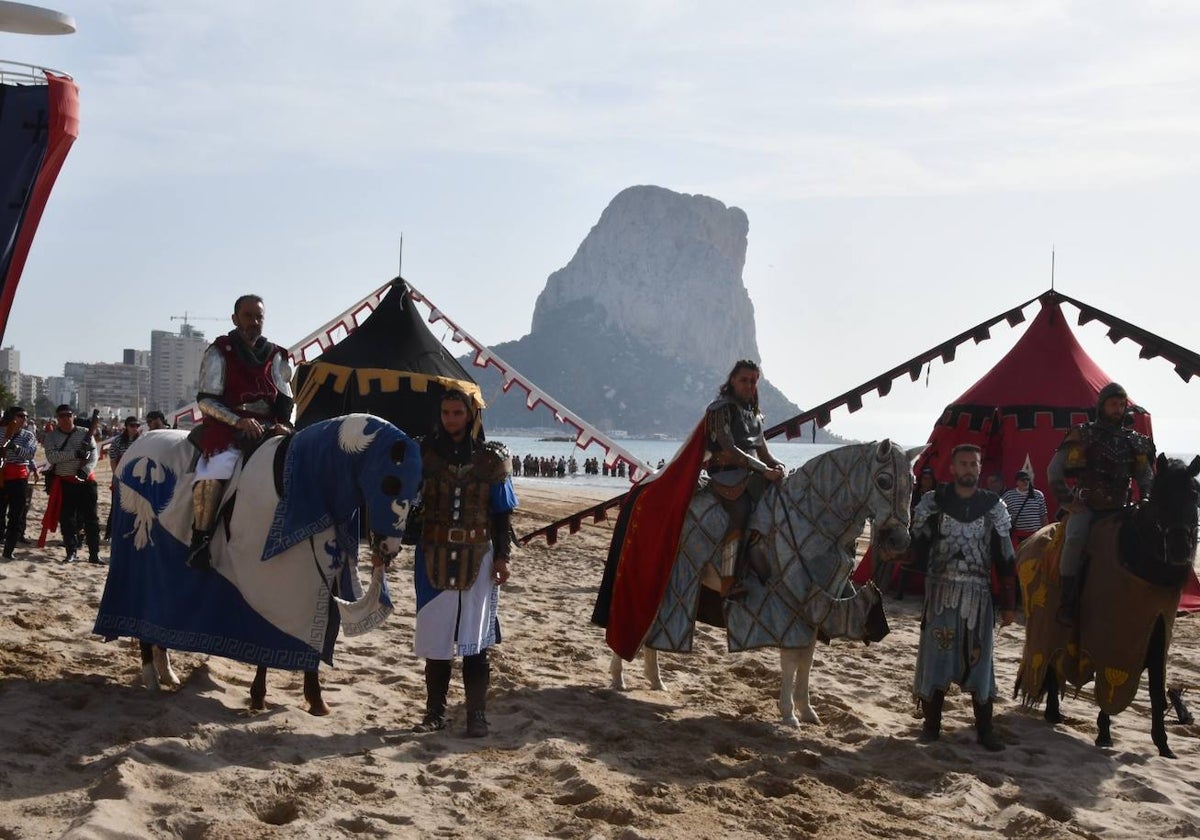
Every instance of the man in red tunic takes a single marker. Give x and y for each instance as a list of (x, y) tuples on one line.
[(245, 391)]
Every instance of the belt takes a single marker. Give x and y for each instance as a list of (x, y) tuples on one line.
[(257, 407), (727, 459), (467, 536)]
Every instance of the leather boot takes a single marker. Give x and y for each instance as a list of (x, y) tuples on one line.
[(985, 734), (1068, 604), (931, 729), (752, 559), (476, 675), (206, 497), (437, 684)]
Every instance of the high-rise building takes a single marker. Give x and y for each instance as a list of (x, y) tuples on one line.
[(32, 387), (116, 390), (62, 390), (175, 367), (136, 357), (10, 370)]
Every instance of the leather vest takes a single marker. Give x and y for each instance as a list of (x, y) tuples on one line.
[(455, 500), (745, 425), (249, 392), (1103, 463)]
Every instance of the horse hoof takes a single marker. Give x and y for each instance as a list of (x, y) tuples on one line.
[(1165, 752), (162, 664), (258, 704), (657, 685), (1101, 741), (809, 715), (318, 709), (790, 720), (618, 684), (149, 677), (1053, 718)]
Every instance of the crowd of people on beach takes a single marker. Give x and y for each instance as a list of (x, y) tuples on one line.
[(547, 466)]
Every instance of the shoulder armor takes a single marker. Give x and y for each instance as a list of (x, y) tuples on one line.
[(719, 402), (1142, 444), (492, 462)]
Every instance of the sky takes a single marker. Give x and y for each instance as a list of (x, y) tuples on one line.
[(907, 169)]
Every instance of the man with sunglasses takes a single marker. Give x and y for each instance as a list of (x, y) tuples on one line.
[(18, 444), (72, 454)]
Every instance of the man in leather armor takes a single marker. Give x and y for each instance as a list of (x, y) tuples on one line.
[(1102, 456), (739, 467), (462, 558), (245, 391), (969, 533)]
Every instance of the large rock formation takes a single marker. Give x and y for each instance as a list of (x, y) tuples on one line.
[(640, 328)]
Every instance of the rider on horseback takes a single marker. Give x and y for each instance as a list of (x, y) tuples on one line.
[(245, 386), (1102, 456), (739, 466)]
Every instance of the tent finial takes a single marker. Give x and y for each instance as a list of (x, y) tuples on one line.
[(400, 259), (1051, 268)]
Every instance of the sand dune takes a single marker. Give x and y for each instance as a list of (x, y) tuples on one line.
[(89, 753)]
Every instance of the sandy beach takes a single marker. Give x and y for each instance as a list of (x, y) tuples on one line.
[(89, 753)]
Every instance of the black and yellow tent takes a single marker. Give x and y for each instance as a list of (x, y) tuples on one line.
[(391, 365)]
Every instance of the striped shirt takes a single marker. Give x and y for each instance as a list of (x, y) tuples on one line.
[(1031, 506)]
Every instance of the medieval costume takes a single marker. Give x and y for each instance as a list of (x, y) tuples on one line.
[(237, 380), (737, 459), (968, 536), (1102, 456), (466, 501)]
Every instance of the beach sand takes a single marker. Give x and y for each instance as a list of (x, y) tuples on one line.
[(89, 753)]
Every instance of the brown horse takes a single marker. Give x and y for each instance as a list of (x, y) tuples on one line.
[(1140, 559)]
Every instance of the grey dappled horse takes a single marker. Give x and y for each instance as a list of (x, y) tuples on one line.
[(801, 583)]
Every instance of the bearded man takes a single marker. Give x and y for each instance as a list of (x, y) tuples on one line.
[(245, 391), (1102, 456), (969, 533)]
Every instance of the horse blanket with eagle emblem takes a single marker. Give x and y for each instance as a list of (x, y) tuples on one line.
[(285, 572)]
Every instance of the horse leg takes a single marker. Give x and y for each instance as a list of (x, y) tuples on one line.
[(650, 669), (258, 689), (1103, 730), (1053, 713), (149, 674), (796, 665), (1156, 664), (312, 693), (616, 670), (162, 664)]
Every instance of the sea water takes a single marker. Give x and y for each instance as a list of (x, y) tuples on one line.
[(649, 451)]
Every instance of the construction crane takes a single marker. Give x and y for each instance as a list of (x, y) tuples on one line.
[(187, 319)]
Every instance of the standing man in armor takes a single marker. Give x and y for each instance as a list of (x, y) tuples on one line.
[(461, 560), (969, 529), (1102, 457), (245, 390), (739, 466)]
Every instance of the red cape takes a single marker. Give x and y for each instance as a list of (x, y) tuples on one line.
[(644, 546)]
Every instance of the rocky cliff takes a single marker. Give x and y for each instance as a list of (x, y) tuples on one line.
[(641, 327)]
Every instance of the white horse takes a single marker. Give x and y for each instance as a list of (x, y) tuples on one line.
[(801, 587), (284, 577)]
